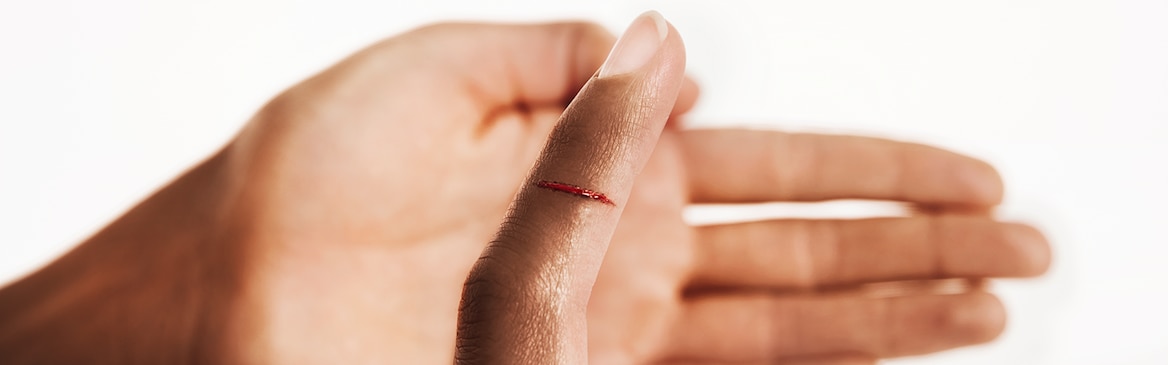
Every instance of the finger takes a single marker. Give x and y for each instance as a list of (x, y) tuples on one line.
[(753, 166), (760, 328), (498, 66), (687, 97), (524, 301), (528, 64), (819, 253), (685, 101), (841, 359)]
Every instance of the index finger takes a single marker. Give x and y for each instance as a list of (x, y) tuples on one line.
[(525, 299)]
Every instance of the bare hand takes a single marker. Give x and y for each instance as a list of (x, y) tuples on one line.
[(341, 223)]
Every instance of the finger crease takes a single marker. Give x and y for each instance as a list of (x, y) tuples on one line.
[(932, 244), (805, 269)]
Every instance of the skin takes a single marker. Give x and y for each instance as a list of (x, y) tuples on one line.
[(342, 222)]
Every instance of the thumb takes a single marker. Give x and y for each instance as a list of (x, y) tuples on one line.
[(525, 299)]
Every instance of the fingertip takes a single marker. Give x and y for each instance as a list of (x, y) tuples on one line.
[(650, 44), (985, 182), (979, 319), (1031, 248), (637, 46)]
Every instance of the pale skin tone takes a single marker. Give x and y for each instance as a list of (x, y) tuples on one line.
[(341, 224)]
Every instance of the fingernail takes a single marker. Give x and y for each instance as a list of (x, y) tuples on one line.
[(639, 43)]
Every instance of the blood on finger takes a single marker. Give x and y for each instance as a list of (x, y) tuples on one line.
[(574, 190)]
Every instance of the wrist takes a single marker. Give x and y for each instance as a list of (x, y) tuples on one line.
[(155, 286)]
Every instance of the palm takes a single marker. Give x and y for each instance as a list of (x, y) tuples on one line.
[(386, 228), (389, 233)]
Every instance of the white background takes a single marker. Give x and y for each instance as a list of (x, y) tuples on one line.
[(102, 102)]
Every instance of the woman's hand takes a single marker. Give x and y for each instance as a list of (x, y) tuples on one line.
[(341, 224)]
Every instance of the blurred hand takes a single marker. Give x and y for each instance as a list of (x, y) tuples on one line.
[(340, 225)]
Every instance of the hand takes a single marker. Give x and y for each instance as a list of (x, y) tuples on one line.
[(341, 223), (526, 299)]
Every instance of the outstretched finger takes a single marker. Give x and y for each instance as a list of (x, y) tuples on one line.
[(825, 253), (524, 301), (756, 166), (760, 327)]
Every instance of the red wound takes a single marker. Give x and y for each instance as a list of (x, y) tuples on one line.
[(574, 190)]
